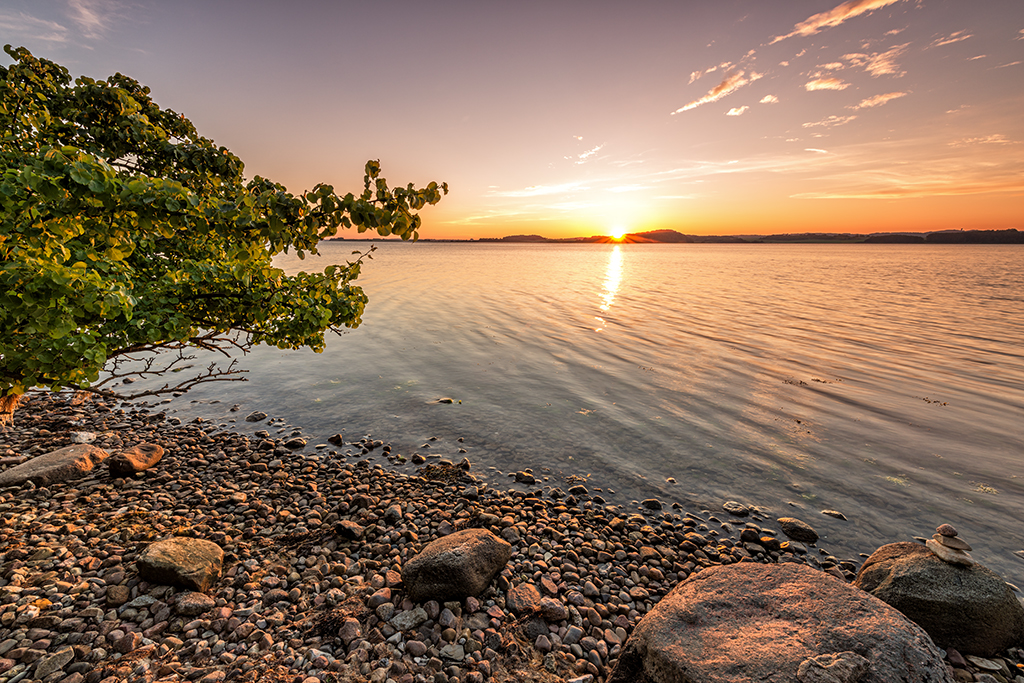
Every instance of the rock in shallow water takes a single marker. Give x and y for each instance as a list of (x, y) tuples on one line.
[(969, 608), (798, 530)]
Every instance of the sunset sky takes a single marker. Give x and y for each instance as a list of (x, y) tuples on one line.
[(567, 118)]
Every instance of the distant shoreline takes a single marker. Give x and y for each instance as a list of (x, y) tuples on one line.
[(1009, 236)]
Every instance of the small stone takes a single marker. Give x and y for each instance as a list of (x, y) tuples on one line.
[(834, 513), (946, 530), (350, 630), (953, 542), (652, 504), (193, 603), (798, 530), (53, 663), (117, 595), (349, 530), (735, 508), (949, 554), (256, 416), (525, 478)]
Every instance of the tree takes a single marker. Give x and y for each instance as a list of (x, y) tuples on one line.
[(128, 240)]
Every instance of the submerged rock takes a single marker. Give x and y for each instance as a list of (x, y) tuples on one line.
[(798, 530)]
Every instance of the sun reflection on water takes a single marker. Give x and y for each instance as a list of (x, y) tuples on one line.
[(612, 280)]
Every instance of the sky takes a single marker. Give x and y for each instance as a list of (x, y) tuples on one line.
[(570, 118)]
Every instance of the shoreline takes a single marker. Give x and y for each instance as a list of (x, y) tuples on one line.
[(291, 584)]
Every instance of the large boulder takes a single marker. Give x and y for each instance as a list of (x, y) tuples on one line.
[(179, 561), (455, 566), (63, 464), (136, 459), (778, 622), (969, 608)]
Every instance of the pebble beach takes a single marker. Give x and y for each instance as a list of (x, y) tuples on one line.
[(314, 538)]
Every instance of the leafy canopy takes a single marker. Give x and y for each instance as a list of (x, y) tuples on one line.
[(124, 234)]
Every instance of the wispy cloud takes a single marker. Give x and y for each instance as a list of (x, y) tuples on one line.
[(589, 153), (19, 27), (834, 17), (544, 190), (737, 111), (954, 37), (769, 99), (1003, 66), (816, 150), (915, 168), (831, 121), (732, 82), (878, 100), (826, 84), (93, 17), (879, 63), (996, 139)]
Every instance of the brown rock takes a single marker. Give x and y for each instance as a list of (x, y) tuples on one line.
[(523, 599), (946, 530), (349, 530), (755, 622), (187, 562), (455, 566), (192, 604), (969, 608), (63, 464), (117, 595), (136, 459), (798, 530)]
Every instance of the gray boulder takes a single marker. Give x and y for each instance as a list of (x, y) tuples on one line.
[(63, 464), (179, 561), (779, 622), (456, 566), (969, 608), (136, 459)]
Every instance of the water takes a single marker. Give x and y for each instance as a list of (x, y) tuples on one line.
[(882, 381)]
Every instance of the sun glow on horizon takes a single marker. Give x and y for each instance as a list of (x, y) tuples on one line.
[(618, 232)]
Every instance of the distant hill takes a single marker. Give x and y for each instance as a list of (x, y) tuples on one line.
[(1008, 236)]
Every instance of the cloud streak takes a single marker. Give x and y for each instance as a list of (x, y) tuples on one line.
[(879, 63), (833, 17), (732, 82), (878, 100), (737, 111), (826, 84), (955, 37), (830, 122), (20, 27)]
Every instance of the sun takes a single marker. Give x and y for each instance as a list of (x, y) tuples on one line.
[(618, 232)]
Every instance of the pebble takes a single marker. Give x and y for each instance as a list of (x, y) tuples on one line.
[(314, 545)]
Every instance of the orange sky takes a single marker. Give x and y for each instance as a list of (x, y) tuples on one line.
[(580, 118)]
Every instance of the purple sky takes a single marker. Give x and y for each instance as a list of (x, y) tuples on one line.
[(579, 118)]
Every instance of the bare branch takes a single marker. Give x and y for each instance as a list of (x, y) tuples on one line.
[(211, 374)]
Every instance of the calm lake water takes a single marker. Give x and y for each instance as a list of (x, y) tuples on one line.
[(882, 381)]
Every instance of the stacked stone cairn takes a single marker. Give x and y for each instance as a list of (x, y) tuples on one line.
[(949, 547)]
